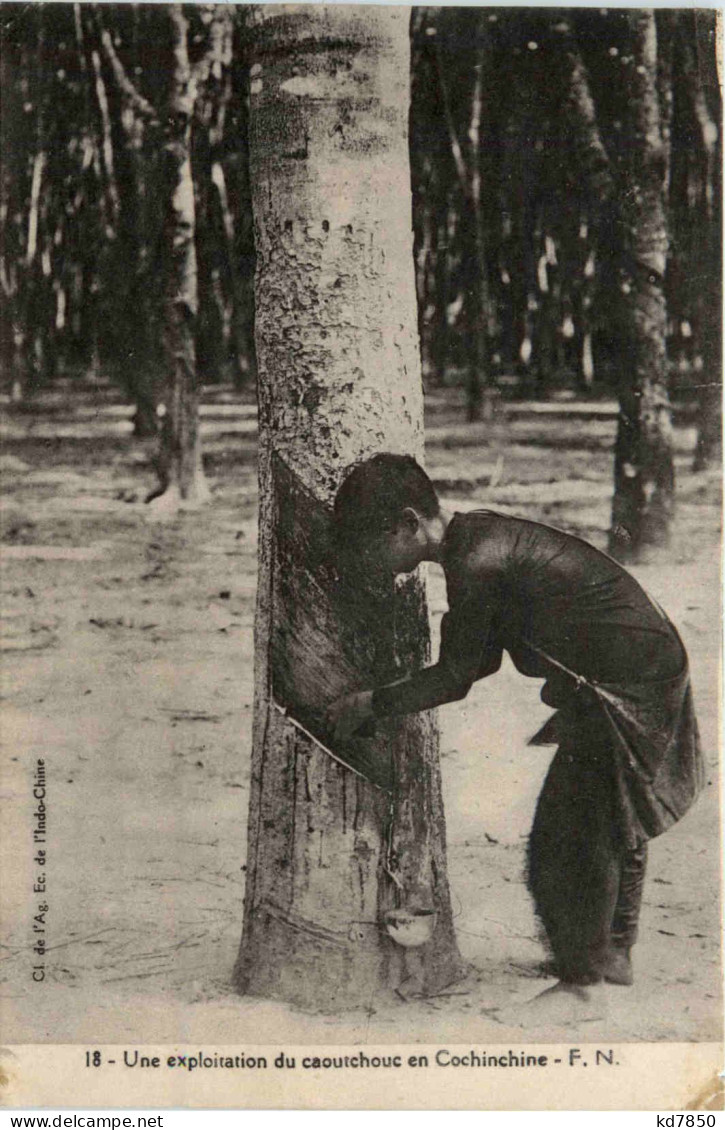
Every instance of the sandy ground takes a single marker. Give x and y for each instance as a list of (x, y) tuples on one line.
[(127, 667)]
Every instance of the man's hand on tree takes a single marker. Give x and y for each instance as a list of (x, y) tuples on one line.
[(346, 715)]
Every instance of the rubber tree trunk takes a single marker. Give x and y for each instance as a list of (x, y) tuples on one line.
[(705, 99), (429, 156), (212, 104), (580, 134), (479, 373), (644, 480), (709, 425), (339, 380), (238, 248), (180, 466), (130, 334), (708, 451), (466, 28), (122, 305)]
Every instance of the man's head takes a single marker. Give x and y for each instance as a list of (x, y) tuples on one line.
[(383, 511)]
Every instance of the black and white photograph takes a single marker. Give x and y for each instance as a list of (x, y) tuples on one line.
[(361, 412)]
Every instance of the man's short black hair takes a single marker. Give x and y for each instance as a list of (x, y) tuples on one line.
[(375, 493)]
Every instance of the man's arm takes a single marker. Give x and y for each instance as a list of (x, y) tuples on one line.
[(469, 650)]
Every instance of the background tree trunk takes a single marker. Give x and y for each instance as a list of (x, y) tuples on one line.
[(479, 365), (705, 101), (180, 466), (238, 249), (339, 380), (212, 104), (132, 310), (464, 39), (644, 479), (430, 159)]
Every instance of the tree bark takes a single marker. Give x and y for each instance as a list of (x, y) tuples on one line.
[(239, 268), (644, 479), (180, 465), (430, 159), (339, 380), (212, 102), (597, 237), (708, 450), (703, 217), (578, 116), (479, 370), (129, 307), (468, 25)]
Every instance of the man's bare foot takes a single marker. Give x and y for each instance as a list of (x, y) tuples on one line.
[(618, 967), (562, 1005)]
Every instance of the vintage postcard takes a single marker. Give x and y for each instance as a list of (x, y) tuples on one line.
[(361, 418)]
